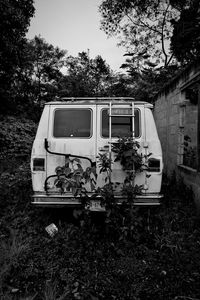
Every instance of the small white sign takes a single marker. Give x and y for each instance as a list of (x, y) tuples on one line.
[(51, 229), (121, 111), (95, 205)]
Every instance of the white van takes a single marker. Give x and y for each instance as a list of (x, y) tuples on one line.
[(72, 133)]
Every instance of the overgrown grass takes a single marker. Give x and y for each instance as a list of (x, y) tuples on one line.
[(91, 258), (85, 260)]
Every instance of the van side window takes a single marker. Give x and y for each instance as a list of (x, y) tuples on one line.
[(72, 123), (121, 126)]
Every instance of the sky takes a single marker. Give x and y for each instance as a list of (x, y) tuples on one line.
[(74, 25)]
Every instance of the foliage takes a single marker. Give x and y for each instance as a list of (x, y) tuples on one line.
[(16, 137), (154, 256), (144, 28), (149, 81), (127, 152), (47, 62), (105, 165), (39, 71), (85, 76), (126, 149), (147, 29), (37, 77), (72, 177), (186, 32), (120, 85), (132, 254), (15, 18)]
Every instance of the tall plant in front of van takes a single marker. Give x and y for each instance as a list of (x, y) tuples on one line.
[(126, 151), (123, 219)]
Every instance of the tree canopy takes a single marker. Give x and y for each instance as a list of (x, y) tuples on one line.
[(146, 29), (159, 37), (85, 76), (143, 27), (185, 42), (44, 63), (14, 21)]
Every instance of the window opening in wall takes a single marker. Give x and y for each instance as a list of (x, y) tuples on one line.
[(181, 135), (190, 152), (188, 135)]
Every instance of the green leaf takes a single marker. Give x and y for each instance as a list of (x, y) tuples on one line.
[(66, 171)]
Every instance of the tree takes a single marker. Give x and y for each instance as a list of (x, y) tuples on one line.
[(120, 85), (14, 21), (150, 81), (37, 76), (144, 28), (43, 65), (185, 42), (85, 76)]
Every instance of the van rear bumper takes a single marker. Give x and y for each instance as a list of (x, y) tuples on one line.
[(69, 201)]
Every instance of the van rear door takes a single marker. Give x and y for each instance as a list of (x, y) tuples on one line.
[(72, 129), (123, 122)]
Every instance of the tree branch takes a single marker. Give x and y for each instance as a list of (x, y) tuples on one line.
[(143, 25), (162, 36), (170, 59), (150, 28)]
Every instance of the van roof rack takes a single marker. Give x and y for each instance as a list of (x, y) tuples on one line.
[(96, 98)]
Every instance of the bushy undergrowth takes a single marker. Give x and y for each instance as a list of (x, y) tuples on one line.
[(86, 259), (16, 136), (150, 254)]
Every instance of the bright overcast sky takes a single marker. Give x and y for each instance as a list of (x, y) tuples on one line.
[(73, 25)]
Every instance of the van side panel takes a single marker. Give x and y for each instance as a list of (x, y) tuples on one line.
[(39, 152), (153, 148), (140, 176)]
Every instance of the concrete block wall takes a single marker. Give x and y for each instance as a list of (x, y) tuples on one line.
[(166, 114), (175, 116)]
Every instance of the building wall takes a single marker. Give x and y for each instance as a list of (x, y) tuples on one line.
[(176, 117)]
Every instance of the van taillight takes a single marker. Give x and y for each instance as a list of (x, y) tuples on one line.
[(153, 165), (38, 164)]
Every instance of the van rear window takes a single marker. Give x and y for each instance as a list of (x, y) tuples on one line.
[(72, 123), (121, 126)]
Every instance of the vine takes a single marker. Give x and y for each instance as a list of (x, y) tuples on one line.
[(127, 152), (72, 178), (121, 220)]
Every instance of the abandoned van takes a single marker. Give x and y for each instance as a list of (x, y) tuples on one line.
[(74, 141)]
